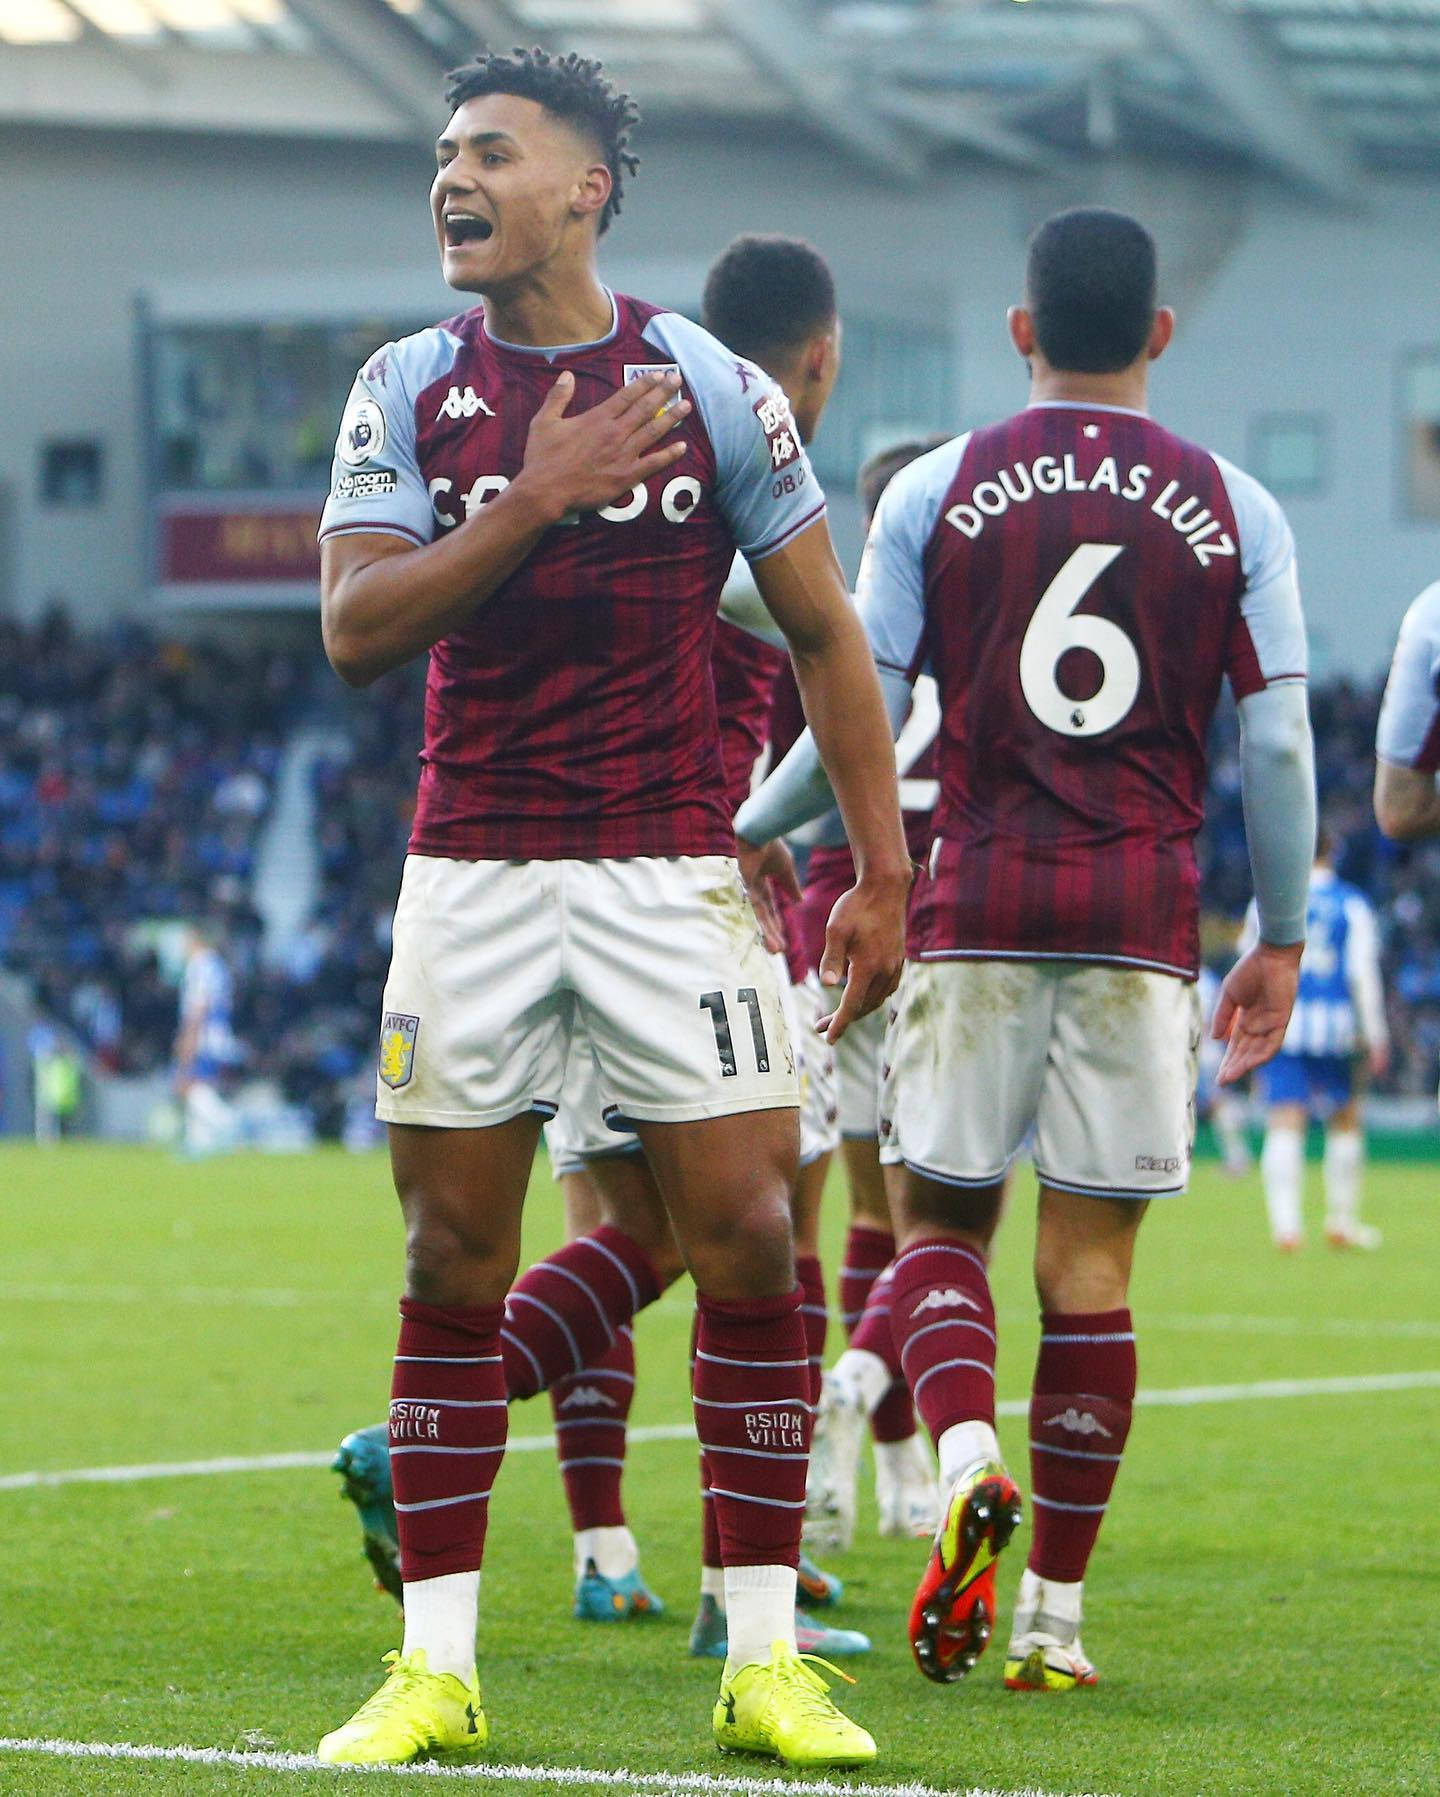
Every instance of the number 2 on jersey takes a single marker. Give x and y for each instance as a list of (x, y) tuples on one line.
[(714, 1003), (1055, 627)]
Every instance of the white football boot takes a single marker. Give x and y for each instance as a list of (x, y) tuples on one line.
[(1045, 1652), (834, 1467), (907, 1493)]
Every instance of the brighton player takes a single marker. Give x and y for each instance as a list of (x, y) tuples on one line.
[(866, 1382), (547, 495), (1339, 1014), (207, 1052), (1079, 581)]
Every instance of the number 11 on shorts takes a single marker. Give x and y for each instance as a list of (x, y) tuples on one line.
[(714, 1003)]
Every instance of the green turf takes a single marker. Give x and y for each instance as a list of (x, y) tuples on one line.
[(1262, 1603)]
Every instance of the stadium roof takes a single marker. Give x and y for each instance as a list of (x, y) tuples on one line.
[(1311, 90)]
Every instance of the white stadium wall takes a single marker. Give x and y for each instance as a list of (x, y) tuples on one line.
[(1285, 310)]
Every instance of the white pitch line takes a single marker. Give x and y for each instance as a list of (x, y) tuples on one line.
[(269, 1463), (1181, 1396), (693, 1784)]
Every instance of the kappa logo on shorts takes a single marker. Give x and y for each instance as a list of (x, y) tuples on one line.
[(397, 1048), (1157, 1163), (946, 1300)]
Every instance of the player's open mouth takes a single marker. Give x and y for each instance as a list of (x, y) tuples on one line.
[(466, 227)]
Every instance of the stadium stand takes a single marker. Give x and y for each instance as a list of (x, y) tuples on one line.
[(137, 775)]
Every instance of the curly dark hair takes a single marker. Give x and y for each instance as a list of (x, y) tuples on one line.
[(767, 294), (571, 88)]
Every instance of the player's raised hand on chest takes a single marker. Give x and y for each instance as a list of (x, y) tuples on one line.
[(591, 459)]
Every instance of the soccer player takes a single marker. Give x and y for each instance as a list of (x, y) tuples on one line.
[(866, 1382), (1339, 1013), (774, 300), (1222, 1106), (207, 1051), (1407, 739), (1079, 581), (547, 495)]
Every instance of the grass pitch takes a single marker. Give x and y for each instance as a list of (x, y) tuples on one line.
[(1261, 1606)]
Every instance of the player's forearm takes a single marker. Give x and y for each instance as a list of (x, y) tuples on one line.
[(1277, 771), (379, 614), (846, 711)]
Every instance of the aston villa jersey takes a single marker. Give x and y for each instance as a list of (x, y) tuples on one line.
[(1079, 581), (574, 713)]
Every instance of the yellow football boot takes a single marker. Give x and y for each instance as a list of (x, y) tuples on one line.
[(781, 1708), (415, 1715)]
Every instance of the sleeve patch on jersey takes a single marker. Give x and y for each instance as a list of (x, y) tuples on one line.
[(367, 483), (362, 432), (781, 437)]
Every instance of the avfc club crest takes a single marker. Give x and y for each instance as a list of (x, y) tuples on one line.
[(397, 1048), (362, 432)]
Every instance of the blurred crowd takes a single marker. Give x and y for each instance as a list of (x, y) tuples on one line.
[(137, 775)]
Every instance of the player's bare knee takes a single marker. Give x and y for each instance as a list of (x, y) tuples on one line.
[(746, 1251), (451, 1259)]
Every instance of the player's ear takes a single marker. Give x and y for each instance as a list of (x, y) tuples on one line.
[(1022, 330), (1161, 332), (592, 194), (818, 354)]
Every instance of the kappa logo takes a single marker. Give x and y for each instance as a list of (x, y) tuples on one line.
[(462, 405), (397, 1049), (944, 1300), (1078, 1422), (587, 1397)]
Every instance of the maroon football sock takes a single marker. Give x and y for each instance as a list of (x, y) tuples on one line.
[(815, 1314), (893, 1418), (447, 1434), (1079, 1420), (709, 1528), (562, 1315), (875, 1333), (868, 1251), (943, 1322), (752, 1411), (591, 1410)]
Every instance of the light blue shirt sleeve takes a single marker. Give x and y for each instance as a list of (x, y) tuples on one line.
[(891, 588), (375, 479), (1270, 605), (1406, 734), (766, 490)]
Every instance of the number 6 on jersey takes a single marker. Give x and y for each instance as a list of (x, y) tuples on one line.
[(1055, 628)]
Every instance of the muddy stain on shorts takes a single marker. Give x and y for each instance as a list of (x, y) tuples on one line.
[(730, 905), (993, 993)]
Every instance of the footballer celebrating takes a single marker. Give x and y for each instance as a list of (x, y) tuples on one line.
[(547, 495), (1079, 581)]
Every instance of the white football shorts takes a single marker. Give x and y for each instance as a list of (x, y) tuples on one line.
[(814, 1063), (579, 1133), (496, 962), (1100, 1060), (859, 1056)]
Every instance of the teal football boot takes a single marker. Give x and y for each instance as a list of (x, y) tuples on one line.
[(363, 1463)]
